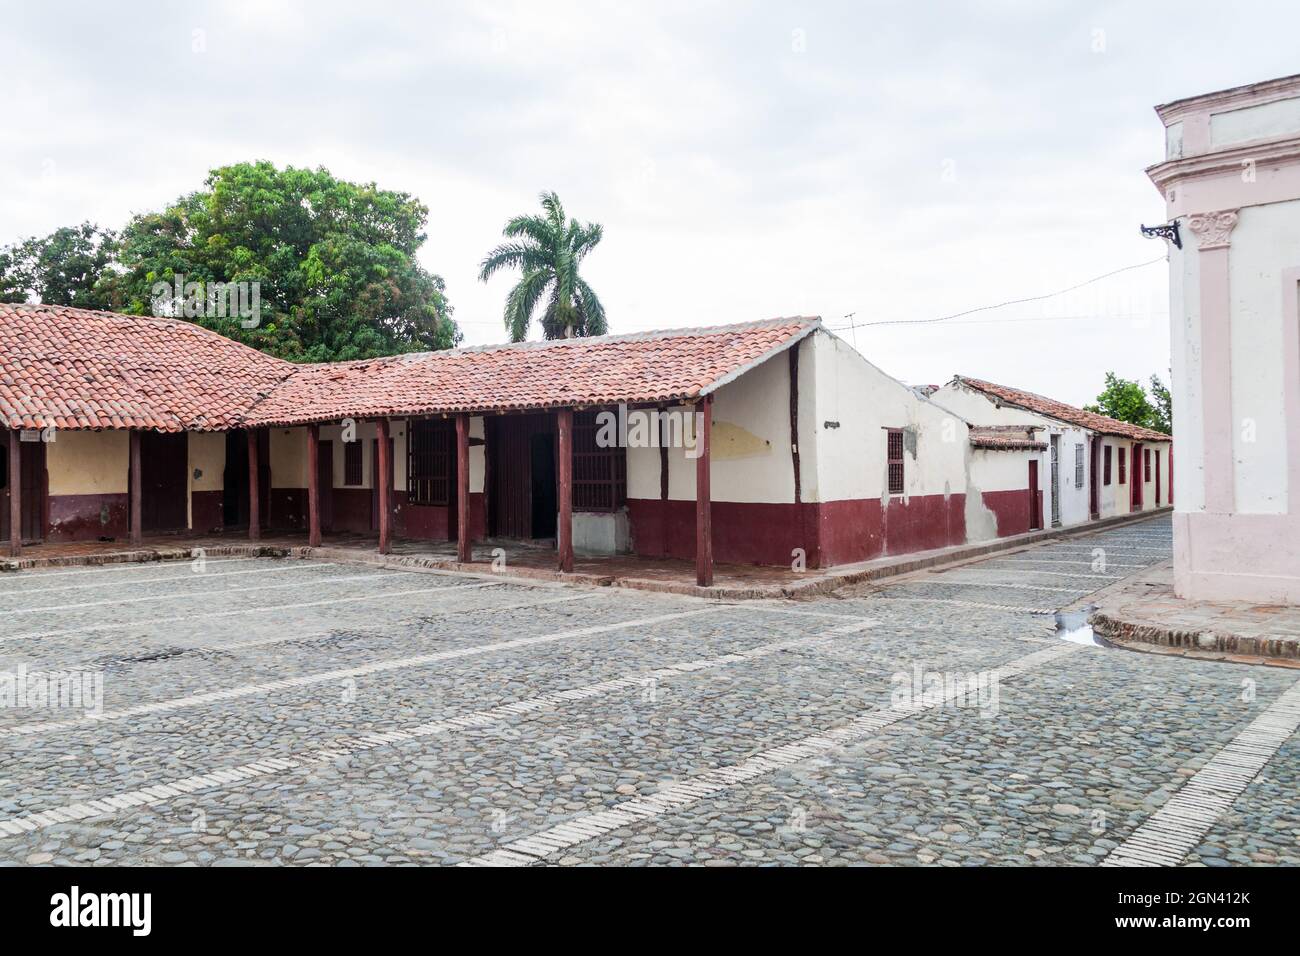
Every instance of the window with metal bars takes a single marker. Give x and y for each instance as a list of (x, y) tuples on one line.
[(1078, 465), (1123, 454), (894, 455), (352, 462), (1146, 464), (431, 462), (1105, 471), (599, 474)]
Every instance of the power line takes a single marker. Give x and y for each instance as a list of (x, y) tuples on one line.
[(1000, 305)]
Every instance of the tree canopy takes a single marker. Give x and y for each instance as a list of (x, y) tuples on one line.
[(334, 263), (1128, 401), (548, 249), (62, 268)]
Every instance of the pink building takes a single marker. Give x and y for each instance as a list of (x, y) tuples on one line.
[(1231, 182)]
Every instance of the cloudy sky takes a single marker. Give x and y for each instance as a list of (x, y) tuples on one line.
[(891, 161)]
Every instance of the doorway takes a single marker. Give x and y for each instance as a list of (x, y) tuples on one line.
[(1094, 469), (234, 498), (1137, 475), (31, 459), (545, 501), (1056, 481), (1035, 503), (164, 482)]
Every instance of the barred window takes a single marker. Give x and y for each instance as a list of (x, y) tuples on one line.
[(1146, 464), (599, 474), (352, 451), (1123, 452), (1105, 472), (894, 453), (431, 462), (1078, 465)]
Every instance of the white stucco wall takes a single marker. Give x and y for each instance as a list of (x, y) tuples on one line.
[(88, 463), (855, 403)]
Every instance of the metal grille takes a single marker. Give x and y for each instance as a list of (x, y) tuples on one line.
[(1056, 480), (1078, 465), (431, 462), (1146, 464), (894, 453), (1123, 454), (599, 474), (1105, 474), (352, 452)]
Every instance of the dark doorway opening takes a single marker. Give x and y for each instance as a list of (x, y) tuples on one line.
[(1094, 472), (234, 500), (545, 500), (1035, 502), (325, 485), (164, 482), (32, 488)]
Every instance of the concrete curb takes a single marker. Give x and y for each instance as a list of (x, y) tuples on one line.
[(1205, 643), (817, 583)]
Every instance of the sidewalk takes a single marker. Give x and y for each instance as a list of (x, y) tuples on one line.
[(1143, 613)]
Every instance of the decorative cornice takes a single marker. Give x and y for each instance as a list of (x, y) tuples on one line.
[(1213, 228), (1259, 153), (1238, 97)]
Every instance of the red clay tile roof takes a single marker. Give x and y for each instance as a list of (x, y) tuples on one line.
[(645, 367), (76, 368), (1063, 412), (1005, 438)]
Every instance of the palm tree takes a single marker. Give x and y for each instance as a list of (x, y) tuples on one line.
[(548, 249)]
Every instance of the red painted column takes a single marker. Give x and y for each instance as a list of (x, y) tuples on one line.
[(15, 494), (385, 480), (564, 534), (464, 551), (254, 493), (134, 470), (313, 486), (703, 498)]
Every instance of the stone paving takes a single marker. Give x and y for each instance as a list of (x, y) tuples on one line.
[(288, 712)]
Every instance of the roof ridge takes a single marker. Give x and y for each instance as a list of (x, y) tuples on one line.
[(1125, 428)]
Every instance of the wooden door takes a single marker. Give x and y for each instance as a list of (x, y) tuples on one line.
[(1137, 474), (1035, 503), (1157, 454), (164, 482)]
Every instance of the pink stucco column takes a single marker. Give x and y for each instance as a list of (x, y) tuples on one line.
[(1212, 231)]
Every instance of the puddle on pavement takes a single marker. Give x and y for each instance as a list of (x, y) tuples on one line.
[(1073, 626)]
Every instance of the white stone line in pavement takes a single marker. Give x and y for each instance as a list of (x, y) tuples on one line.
[(675, 796), (174, 596), (798, 612), (362, 670), (959, 583), (186, 618), (347, 746), (30, 575), (372, 629), (1176, 828), (1106, 546), (991, 607), (1052, 564), (192, 576), (1055, 574)]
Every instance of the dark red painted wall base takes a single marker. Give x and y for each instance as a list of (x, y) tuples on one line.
[(1011, 509), (206, 511), (830, 533), (88, 517)]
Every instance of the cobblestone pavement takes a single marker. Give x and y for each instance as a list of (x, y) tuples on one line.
[(276, 711)]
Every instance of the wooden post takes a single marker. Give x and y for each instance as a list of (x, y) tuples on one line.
[(133, 466), (564, 533), (313, 486), (385, 479), (703, 499), (464, 551), (15, 494), (254, 493)]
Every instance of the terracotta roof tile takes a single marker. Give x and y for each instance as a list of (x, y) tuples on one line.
[(646, 367), (77, 368), (1063, 412), (1005, 438)]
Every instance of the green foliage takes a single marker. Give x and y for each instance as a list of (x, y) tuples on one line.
[(1127, 401), (548, 249), (335, 263), (62, 268)]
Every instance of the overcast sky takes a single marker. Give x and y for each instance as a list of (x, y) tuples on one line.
[(895, 161)]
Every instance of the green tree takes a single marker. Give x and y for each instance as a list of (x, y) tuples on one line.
[(1127, 401), (548, 249), (334, 262), (1162, 407), (62, 268)]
